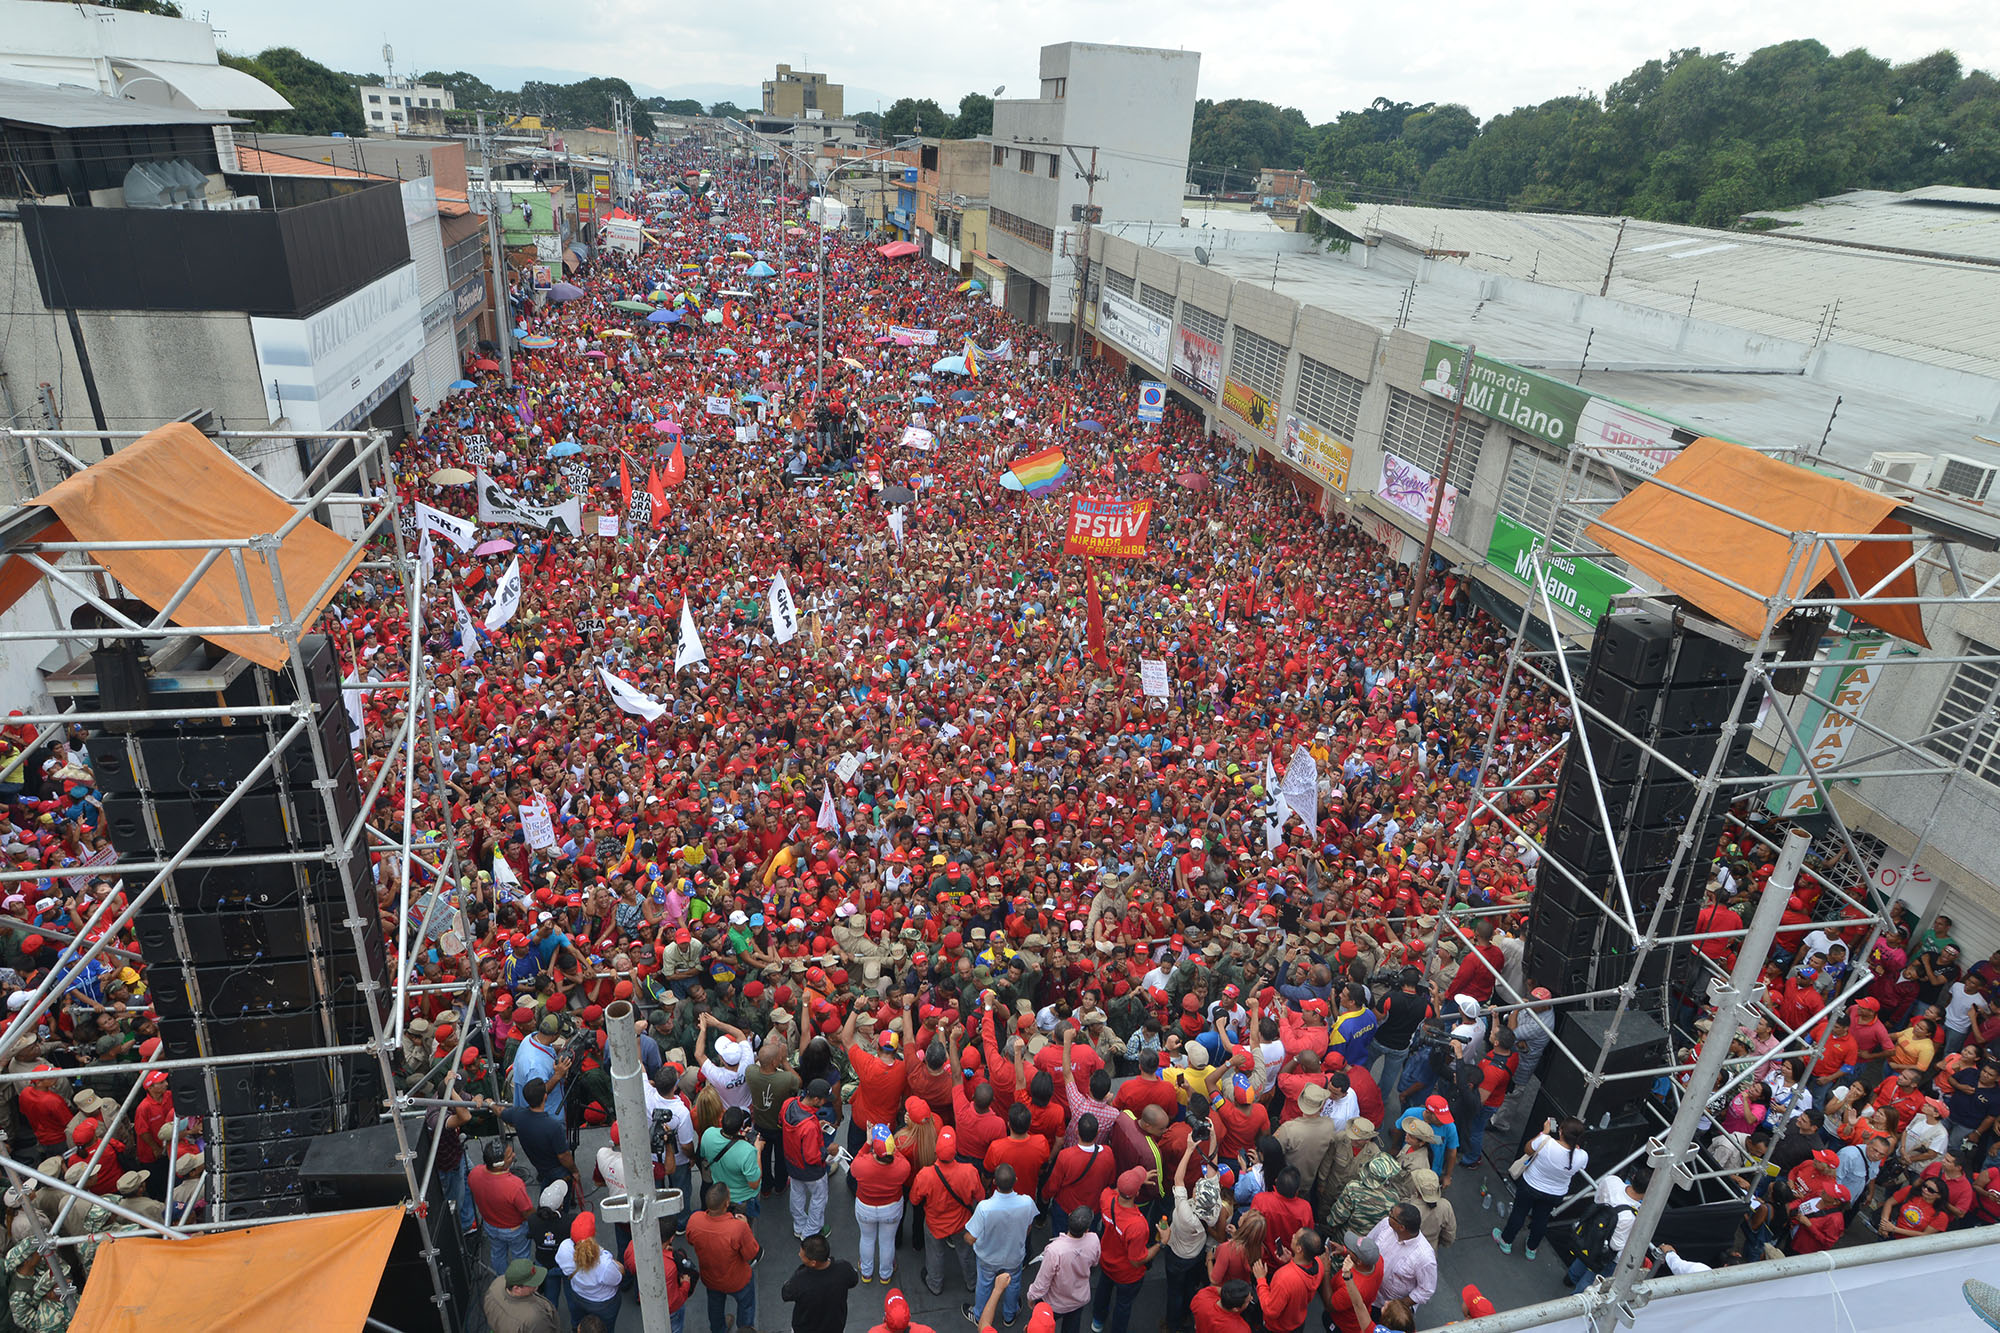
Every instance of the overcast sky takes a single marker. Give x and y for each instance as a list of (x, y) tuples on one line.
[(1319, 57)]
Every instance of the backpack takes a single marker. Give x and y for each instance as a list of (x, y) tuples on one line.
[(805, 1141), (1594, 1231)]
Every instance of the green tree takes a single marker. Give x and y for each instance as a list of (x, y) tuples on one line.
[(727, 111), (468, 91), (1248, 135), (323, 99), (975, 117), (676, 106), (914, 115), (871, 119)]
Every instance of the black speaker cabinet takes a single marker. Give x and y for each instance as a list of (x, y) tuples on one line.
[(225, 887), (1641, 1044), (264, 1089), (261, 822), (358, 1169), (1634, 646), (195, 762)]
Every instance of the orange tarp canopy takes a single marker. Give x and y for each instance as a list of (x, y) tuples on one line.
[(176, 484), (316, 1273), (1701, 538)]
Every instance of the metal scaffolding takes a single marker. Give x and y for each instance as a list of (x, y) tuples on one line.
[(354, 475), (1949, 541)]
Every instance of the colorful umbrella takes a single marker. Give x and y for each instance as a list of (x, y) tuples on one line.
[(494, 547), (483, 364), (1194, 481), (458, 386), (538, 342), (665, 427), (635, 307)]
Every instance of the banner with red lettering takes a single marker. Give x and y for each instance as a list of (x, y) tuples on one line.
[(1112, 528)]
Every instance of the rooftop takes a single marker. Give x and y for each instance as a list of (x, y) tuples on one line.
[(1931, 309), (54, 108), (261, 162), (1947, 221)]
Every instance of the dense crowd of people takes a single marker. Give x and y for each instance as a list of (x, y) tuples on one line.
[(928, 911)]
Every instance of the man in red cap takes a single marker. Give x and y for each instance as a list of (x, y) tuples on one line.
[(1128, 1249), (947, 1190)]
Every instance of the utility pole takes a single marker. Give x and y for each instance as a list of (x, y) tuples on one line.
[(1443, 480), (640, 1206), (503, 323), (1083, 255), (1733, 999)]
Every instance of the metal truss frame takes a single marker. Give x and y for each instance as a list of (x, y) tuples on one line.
[(1938, 558), (354, 473)]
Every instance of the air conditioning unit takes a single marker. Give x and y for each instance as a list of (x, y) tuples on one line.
[(1968, 478), (241, 203), (1898, 471)]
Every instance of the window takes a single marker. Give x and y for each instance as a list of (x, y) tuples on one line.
[(374, 97), (395, 101), (1201, 321), (1328, 398), (1116, 281), (1534, 484), (1000, 220), (1415, 430), (1055, 163), (1964, 700), (999, 156), (1155, 300), (1258, 362), (1027, 163), (375, 115)]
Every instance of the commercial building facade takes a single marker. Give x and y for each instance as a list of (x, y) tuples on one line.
[(1339, 370), (796, 93), (400, 107)]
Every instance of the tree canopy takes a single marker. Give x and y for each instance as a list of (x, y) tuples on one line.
[(975, 117), (915, 115), (323, 99)]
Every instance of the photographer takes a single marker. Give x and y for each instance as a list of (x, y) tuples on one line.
[(728, 1154)]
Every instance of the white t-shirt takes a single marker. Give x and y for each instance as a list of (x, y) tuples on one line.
[(1611, 1192), (1553, 1165), (1924, 1134), (1958, 1008), (593, 1284)]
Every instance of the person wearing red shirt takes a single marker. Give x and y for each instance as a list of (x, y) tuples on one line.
[(884, 1079), (1023, 1149), (880, 1175), (1080, 1173), (1220, 1309), (501, 1199), (1481, 969), (1360, 1268), (1871, 1040), (1915, 1210), (1006, 1072), (1285, 1294), (1128, 1250), (1716, 916), (1240, 1120), (1147, 1089), (45, 1111), (974, 1118), (947, 1190), (1284, 1212), (1366, 1091), (1820, 1221)]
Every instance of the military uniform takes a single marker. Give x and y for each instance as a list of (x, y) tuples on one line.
[(1366, 1200), (33, 1299), (1342, 1166)]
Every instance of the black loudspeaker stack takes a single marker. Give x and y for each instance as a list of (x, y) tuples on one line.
[(1672, 689), (251, 958)]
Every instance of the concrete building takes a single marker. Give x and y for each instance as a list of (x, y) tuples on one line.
[(146, 58), (1319, 354), (953, 176), (402, 107), (1107, 137), (794, 94)]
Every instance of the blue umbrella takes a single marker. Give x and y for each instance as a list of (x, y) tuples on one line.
[(760, 269), (969, 420), (754, 397), (737, 237), (462, 384), (963, 395), (565, 449), (951, 365), (1090, 425), (792, 326), (664, 317), (924, 400)]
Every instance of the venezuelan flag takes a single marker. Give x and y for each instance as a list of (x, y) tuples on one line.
[(1041, 473), (974, 359)]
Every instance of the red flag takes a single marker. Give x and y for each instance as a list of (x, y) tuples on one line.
[(1094, 621), (1148, 461), (624, 485), (677, 468), (658, 490), (1302, 601)]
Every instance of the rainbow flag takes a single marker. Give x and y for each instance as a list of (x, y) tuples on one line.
[(1041, 473)]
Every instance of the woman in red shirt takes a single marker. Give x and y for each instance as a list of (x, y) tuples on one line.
[(1915, 1210), (881, 1175)]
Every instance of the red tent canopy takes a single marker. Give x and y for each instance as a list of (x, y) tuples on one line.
[(897, 249)]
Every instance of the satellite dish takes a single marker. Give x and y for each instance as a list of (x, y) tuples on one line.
[(1001, 89), (1201, 255)]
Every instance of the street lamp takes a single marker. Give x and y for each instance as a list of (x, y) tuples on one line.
[(820, 175)]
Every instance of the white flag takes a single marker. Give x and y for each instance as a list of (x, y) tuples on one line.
[(630, 697), (426, 556), (502, 872), (1274, 826), (784, 611), (690, 650), (506, 596), (468, 637), (829, 818), (1302, 786), (458, 531), (896, 525)]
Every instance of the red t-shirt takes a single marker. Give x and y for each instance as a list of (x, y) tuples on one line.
[(878, 1183), (1138, 1093), (501, 1197), (1081, 1175), (1210, 1317), (1282, 1219), (1367, 1281), (883, 1084), (1126, 1238), (1238, 1127), (1026, 1156)]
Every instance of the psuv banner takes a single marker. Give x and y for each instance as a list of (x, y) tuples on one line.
[(1112, 528)]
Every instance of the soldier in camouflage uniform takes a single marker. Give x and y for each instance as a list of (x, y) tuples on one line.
[(1346, 1158), (1367, 1198), (1189, 978), (33, 1298)]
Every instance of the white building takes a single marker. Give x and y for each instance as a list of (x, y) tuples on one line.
[(135, 57), (1108, 134), (391, 108)]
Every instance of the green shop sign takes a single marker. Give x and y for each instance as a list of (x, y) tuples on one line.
[(1531, 403), (1581, 587)]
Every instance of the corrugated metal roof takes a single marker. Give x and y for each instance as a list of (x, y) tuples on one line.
[(1943, 220), (77, 109), (1929, 309), (262, 162)]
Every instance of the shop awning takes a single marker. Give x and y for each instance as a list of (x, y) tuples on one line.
[(176, 484), (1689, 540), (211, 87), (897, 249), (313, 1273)]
